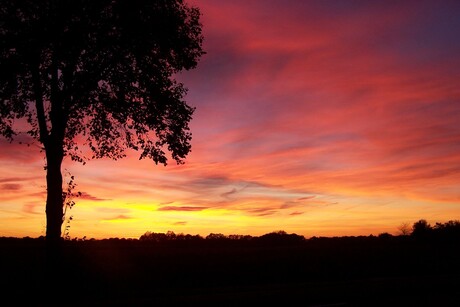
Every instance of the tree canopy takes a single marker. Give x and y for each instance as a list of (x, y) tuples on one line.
[(101, 69)]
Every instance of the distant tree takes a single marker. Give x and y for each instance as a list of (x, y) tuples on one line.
[(421, 229), (98, 73), (216, 237), (188, 237), (448, 230), (404, 229), (385, 235), (281, 237), (170, 235), (153, 237), (236, 237)]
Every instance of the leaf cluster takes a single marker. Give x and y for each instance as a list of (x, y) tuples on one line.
[(99, 73)]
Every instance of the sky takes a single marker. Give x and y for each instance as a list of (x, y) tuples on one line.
[(321, 118)]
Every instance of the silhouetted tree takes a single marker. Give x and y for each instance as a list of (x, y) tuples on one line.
[(98, 73), (448, 230), (236, 237), (385, 235), (281, 237), (404, 229), (421, 229), (216, 237), (153, 237)]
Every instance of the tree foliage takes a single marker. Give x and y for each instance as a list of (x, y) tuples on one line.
[(101, 70), (421, 228)]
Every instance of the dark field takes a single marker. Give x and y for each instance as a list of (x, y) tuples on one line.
[(280, 271)]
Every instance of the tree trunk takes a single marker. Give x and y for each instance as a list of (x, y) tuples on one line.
[(54, 214), (53, 142), (54, 200)]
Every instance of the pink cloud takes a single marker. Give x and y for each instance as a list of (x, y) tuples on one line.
[(10, 187), (86, 196), (340, 100)]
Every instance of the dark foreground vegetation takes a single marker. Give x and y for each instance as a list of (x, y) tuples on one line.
[(280, 269)]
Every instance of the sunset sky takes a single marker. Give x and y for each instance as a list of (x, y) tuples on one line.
[(322, 118)]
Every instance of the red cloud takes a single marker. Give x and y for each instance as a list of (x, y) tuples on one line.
[(10, 187), (86, 196)]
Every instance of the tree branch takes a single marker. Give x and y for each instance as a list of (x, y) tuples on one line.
[(39, 106), (57, 116)]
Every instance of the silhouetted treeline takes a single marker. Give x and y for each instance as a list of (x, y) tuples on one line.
[(421, 230), (165, 269), (276, 237), (449, 230)]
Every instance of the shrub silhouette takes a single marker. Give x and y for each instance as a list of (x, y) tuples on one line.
[(421, 229)]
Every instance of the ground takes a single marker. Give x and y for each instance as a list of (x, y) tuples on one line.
[(352, 271)]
